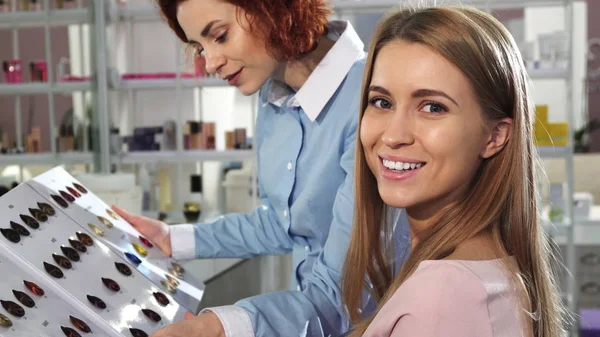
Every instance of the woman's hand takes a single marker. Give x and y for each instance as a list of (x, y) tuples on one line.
[(153, 230), (205, 325)]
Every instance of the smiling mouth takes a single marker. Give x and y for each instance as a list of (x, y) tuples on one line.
[(399, 166), (232, 75)]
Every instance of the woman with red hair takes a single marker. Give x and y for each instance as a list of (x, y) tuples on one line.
[(308, 72)]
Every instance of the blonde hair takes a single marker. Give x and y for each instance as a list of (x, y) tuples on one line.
[(503, 204)]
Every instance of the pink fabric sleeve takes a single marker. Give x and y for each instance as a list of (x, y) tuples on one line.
[(443, 300)]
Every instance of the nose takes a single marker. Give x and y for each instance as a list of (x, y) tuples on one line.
[(214, 62), (399, 131)]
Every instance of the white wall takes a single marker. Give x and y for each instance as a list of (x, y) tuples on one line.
[(553, 92)]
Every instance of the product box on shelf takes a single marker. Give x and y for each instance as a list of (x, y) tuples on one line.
[(91, 264), (549, 134)]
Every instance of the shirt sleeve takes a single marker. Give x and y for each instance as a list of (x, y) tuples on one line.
[(317, 310), (235, 320), (443, 300), (235, 235)]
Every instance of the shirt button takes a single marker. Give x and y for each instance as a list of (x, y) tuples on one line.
[(307, 248), (289, 166), (285, 213), (298, 288)]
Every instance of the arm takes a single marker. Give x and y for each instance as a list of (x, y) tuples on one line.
[(235, 235), (317, 310), (232, 236), (443, 301)]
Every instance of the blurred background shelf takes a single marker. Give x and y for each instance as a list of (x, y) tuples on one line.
[(42, 88), (46, 158), (188, 156), (160, 84), (59, 17)]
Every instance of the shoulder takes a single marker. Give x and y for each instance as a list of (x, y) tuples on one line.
[(440, 298), (448, 283), (354, 78)]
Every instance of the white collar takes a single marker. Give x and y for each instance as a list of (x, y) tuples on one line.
[(327, 76)]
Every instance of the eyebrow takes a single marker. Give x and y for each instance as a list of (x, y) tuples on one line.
[(417, 94), (204, 33), (208, 27)]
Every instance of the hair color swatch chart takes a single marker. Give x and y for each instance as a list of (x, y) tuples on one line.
[(72, 267)]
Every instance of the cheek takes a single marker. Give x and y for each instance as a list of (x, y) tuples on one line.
[(370, 131), (455, 148)]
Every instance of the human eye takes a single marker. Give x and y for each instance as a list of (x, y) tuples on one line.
[(222, 38), (380, 103), (434, 107), (198, 50)]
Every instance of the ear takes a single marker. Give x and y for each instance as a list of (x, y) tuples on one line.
[(498, 137)]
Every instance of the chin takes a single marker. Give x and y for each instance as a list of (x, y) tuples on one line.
[(248, 90), (397, 199), (251, 87)]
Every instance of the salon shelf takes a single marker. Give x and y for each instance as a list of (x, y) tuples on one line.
[(555, 73), (189, 156), (42, 88), (46, 158), (58, 17), (158, 84), (135, 13), (586, 230), (554, 151)]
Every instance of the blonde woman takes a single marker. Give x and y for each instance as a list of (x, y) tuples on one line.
[(446, 134)]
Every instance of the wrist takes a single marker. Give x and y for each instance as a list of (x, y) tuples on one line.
[(215, 324), (167, 239)]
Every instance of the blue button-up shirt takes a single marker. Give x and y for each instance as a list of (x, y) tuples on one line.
[(305, 144)]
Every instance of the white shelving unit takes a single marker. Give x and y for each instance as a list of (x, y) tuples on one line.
[(58, 17), (187, 156), (163, 84), (46, 158), (42, 88)]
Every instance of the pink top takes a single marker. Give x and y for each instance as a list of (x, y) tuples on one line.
[(452, 298)]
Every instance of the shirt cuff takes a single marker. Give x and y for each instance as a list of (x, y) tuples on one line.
[(183, 242), (236, 321)]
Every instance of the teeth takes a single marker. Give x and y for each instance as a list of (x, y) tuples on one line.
[(400, 166)]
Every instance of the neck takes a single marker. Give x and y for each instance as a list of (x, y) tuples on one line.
[(481, 246), (294, 73)]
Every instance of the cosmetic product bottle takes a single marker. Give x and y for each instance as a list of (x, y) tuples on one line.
[(192, 208), (203, 138), (69, 139), (187, 137), (116, 142), (12, 71), (158, 138), (5, 6), (169, 142), (240, 138), (194, 135), (229, 140), (39, 71), (23, 5), (36, 139), (35, 5), (209, 134)]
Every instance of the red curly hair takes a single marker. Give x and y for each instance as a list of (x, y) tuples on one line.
[(290, 28)]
